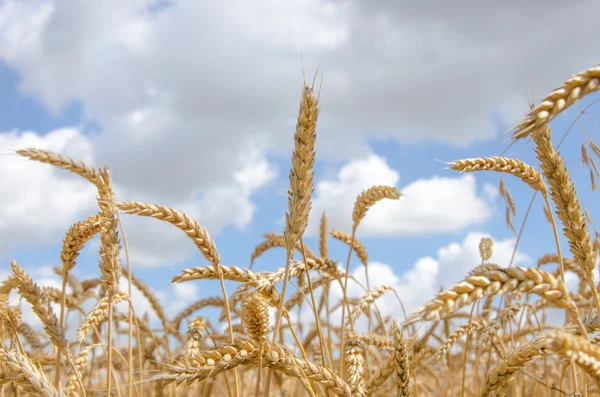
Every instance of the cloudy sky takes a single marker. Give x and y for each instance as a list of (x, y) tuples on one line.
[(193, 105)]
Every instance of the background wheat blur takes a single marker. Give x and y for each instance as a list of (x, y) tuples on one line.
[(487, 335)]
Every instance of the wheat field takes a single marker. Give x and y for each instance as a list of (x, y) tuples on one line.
[(488, 335)]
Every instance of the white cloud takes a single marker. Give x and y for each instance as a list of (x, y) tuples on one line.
[(490, 191), (421, 282), (437, 204), (153, 243), (184, 90), (40, 201)]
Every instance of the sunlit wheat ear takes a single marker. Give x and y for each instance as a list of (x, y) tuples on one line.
[(504, 371), (565, 95), (403, 383), (355, 364), (110, 265), (98, 314), (40, 305), (80, 361), (10, 318), (323, 247), (368, 300), (368, 198), (568, 208), (66, 163), (580, 350), (299, 194), (515, 167), (357, 246), (78, 234), (494, 282), (208, 364), (485, 249), (255, 316), (301, 173), (382, 374), (373, 339), (27, 374), (548, 214), (474, 325), (195, 336), (189, 226), (494, 326)]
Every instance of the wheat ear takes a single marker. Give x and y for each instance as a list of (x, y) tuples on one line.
[(563, 96), (568, 208)]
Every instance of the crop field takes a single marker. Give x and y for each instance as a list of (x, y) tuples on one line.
[(487, 335)]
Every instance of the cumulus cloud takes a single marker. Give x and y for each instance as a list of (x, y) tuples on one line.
[(428, 274), (175, 85), (153, 243), (39, 201), (421, 281), (437, 204)]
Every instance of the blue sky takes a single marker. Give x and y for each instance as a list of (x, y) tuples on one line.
[(195, 108)]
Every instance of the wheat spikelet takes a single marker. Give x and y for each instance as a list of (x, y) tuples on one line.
[(63, 162), (381, 375), (360, 250), (21, 365), (180, 220), (40, 305), (323, 249), (213, 362), (515, 167), (572, 90), (368, 198), (403, 384), (110, 266), (231, 273), (80, 362), (567, 204), (372, 339), (492, 328), (301, 173), (194, 337), (54, 295), (255, 315), (279, 358), (262, 281), (485, 248), (207, 364), (368, 300), (475, 325), (493, 282), (583, 352), (504, 371), (98, 314), (355, 366), (484, 268), (77, 236)]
